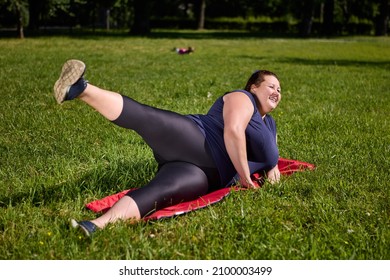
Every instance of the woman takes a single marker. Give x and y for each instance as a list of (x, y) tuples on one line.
[(196, 154)]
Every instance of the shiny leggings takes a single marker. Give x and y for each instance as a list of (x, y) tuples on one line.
[(186, 168)]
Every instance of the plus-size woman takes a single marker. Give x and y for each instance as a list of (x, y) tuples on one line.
[(196, 154)]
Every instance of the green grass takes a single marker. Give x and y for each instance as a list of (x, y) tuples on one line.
[(334, 113)]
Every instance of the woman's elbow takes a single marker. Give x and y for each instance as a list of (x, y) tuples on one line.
[(233, 132)]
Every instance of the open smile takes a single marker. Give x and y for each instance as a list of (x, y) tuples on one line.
[(274, 99)]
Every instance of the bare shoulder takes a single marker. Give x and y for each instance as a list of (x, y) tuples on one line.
[(236, 96), (237, 102)]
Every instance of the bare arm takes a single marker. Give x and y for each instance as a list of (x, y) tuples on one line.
[(273, 175), (237, 112)]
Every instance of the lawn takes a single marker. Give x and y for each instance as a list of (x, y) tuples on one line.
[(334, 114)]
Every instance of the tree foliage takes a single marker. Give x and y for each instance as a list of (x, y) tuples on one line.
[(323, 17)]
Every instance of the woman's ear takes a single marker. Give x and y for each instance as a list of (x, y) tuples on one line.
[(253, 88)]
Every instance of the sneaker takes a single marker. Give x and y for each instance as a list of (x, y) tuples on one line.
[(71, 74), (87, 227)]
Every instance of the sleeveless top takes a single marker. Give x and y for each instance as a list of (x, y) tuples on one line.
[(262, 151)]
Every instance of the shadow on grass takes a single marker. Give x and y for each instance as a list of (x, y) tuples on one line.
[(325, 62), (99, 183)]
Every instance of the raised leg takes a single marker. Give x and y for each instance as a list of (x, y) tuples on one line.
[(107, 103)]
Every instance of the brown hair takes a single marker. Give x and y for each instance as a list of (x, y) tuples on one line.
[(257, 78)]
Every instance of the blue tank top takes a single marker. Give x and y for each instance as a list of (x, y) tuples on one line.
[(262, 151)]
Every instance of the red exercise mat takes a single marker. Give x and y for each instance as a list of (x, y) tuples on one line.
[(286, 167)]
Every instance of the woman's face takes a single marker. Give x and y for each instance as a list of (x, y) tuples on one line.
[(268, 94)]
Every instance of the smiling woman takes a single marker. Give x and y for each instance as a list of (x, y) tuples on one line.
[(196, 154), (268, 94), (264, 88), (271, 96)]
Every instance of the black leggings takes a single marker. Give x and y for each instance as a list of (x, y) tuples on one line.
[(186, 168)]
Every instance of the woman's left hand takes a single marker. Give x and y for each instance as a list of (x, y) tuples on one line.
[(248, 183), (273, 175)]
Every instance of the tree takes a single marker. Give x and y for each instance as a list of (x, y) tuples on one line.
[(19, 9), (307, 15), (382, 19), (104, 6), (201, 9)]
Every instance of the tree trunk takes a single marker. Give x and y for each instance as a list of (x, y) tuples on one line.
[(202, 14), (382, 20), (141, 25), (20, 22)]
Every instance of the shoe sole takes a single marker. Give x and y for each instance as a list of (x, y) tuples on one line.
[(71, 72)]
